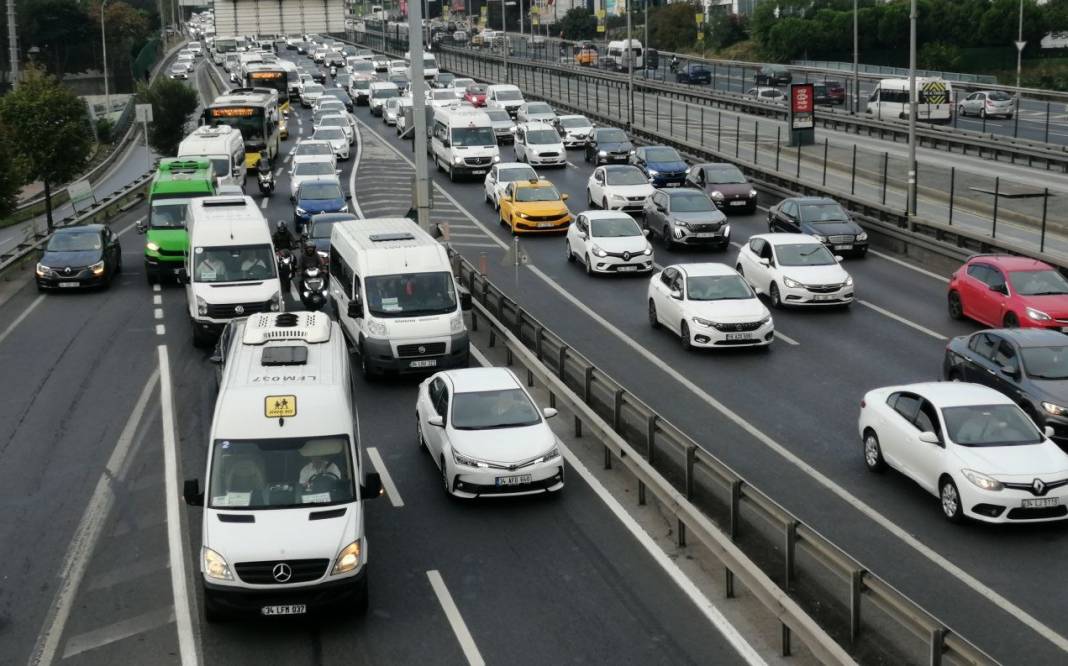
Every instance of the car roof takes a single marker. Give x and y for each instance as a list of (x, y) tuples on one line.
[(1012, 263), (788, 239), (471, 380), (616, 168), (319, 180), (541, 182), (81, 227), (954, 394), (679, 191), (503, 165), (811, 200), (1030, 337), (606, 215), (703, 268)]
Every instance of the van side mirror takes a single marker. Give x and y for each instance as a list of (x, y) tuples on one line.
[(372, 486), (235, 172), (465, 299), (564, 197), (183, 276), (191, 493), (355, 309)]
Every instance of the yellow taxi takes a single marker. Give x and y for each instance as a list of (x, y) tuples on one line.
[(534, 206)]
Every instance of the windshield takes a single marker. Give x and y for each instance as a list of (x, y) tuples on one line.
[(385, 93), (826, 212), (616, 227), (476, 90), (168, 214), (516, 173), (281, 473), (542, 137), (313, 169), (362, 84), (498, 115), (804, 254), (722, 175), (442, 95), (662, 155), (333, 121), (75, 241), (410, 294), (329, 134), (691, 203), (321, 228), (539, 107), (473, 136), (313, 88), (627, 176), (717, 288), (612, 136), (576, 122), (990, 425), (362, 66), (236, 263), (537, 194), (428, 61), (220, 166), (1038, 283), (483, 410), (509, 95), (1045, 362), (248, 120), (319, 191), (313, 149), (445, 78)]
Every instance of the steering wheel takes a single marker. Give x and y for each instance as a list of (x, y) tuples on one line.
[(317, 482)]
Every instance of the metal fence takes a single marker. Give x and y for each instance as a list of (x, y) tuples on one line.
[(901, 72)]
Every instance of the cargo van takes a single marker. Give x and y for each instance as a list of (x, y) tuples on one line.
[(392, 287), (223, 146), (890, 100), (462, 142), (230, 269), (176, 183), (505, 96), (283, 526), (621, 60)]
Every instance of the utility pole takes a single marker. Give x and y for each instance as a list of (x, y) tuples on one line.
[(422, 175), (630, 70), (1020, 44), (104, 45), (910, 204), (856, 61), (504, 39), (645, 44), (13, 43)]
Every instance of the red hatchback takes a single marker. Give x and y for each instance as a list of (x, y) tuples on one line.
[(476, 95), (1003, 290)]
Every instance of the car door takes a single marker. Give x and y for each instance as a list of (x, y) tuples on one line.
[(597, 193), (438, 399), (766, 269), (787, 217), (656, 219), (978, 367), (991, 296), (1006, 371), (506, 202), (575, 241), (662, 297), (898, 430)]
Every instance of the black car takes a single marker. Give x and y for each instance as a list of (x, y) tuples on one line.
[(1030, 365), (319, 76), (608, 145), (822, 218), (695, 74), (78, 257), (318, 231), (341, 95), (773, 75)]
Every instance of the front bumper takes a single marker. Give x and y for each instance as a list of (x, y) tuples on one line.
[(805, 296), (736, 204), (668, 181), (551, 160), (720, 238), (474, 482), (163, 266), (380, 356), (855, 248), (1006, 506), (573, 141), (558, 225), (84, 279), (637, 263), (344, 591), (709, 336)]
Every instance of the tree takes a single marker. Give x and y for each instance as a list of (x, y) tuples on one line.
[(49, 131), (61, 28), (173, 103), (673, 26), (939, 56), (11, 176), (578, 23), (725, 30)]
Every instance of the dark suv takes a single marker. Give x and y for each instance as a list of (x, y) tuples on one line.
[(694, 73), (773, 75), (829, 92)]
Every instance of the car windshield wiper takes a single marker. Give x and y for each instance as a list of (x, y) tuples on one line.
[(1046, 293), (1036, 376)]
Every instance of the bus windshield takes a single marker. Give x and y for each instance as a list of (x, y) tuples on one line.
[(168, 213), (276, 80), (249, 120)]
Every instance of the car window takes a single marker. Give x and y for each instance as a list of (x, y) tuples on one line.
[(441, 404), (980, 272), (984, 344), (907, 406), (668, 276), (927, 419), (766, 252), (434, 391), (756, 246), (790, 209), (1005, 355)]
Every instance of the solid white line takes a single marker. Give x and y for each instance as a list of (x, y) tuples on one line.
[(352, 175), (465, 244), (456, 621), (118, 631), (909, 266), (387, 480), (183, 616), (88, 532), (160, 329), (157, 300), (158, 313), (906, 322), (703, 603), (25, 313)]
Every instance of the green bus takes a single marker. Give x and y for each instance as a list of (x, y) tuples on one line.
[(177, 182)]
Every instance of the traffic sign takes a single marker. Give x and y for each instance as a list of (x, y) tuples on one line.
[(143, 113), (1020, 45)]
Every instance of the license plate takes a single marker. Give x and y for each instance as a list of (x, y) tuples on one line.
[(738, 203), (672, 184), (625, 269), (706, 234), (291, 609), (546, 224), (843, 247), (478, 172), (428, 363), (739, 336), (1044, 503), (513, 480), (67, 285), (824, 297)]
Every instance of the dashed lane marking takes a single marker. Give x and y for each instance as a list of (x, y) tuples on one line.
[(157, 313), (25, 313), (264, 202), (387, 480), (903, 320), (161, 329), (157, 300), (456, 621)]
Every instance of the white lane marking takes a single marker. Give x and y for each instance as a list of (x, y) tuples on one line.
[(118, 631), (179, 588), (906, 322), (156, 287), (465, 244), (157, 300), (157, 313), (788, 340), (88, 532), (456, 621), (160, 329), (703, 603), (909, 266), (126, 572), (572, 165), (387, 480), (18, 320), (264, 202), (278, 172)]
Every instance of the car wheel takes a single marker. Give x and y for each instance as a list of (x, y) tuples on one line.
[(446, 485), (684, 336), (951, 503), (452, 174), (212, 613), (665, 233), (956, 309), (873, 454), (199, 339), (960, 111), (1011, 321), (604, 203), (567, 251), (653, 320), (365, 368), (487, 196), (420, 440), (589, 266), (773, 294)]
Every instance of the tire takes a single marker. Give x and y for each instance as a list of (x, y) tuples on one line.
[(1011, 320), (955, 307), (419, 433), (199, 340), (589, 199), (589, 268), (568, 253), (960, 111), (684, 337), (773, 294), (446, 485), (873, 453), (669, 242), (604, 203), (653, 321), (212, 613), (950, 500), (363, 598), (487, 197), (452, 174)]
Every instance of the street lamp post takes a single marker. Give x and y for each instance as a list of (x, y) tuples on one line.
[(856, 61), (910, 204), (104, 46), (504, 39), (1020, 44), (630, 71)]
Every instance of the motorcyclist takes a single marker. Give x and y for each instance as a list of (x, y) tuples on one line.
[(674, 64), (264, 165), (310, 258), (281, 238)]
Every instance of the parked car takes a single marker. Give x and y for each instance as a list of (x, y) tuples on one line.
[(823, 219), (773, 75), (725, 183), (987, 104), (694, 73), (1009, 291)]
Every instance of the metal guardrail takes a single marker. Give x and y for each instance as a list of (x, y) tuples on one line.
[(736, 522)]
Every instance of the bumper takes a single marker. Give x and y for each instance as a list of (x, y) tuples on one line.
[(855, 248), (209, 327), (471, 482), (471, 170), (1006, 506), (504, 137), (707, 336), (611, 158), (720, 239), (381, 358), (557, 160), (71, 283), (241, 600), (574, 141), (527, 227), (800, 296), (736, 205), (626, 205), (639, 263), (674, 181), (161, 266)]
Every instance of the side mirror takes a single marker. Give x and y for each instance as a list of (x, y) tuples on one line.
[(191, 493), (1010, 370), (236, 172), (465, 299), (355, 309), (436, 420), (1048, 432), (372, 486), (676, 294), (549, 412), (564, 197), (141, 227), (764, 261), (348, 196), (929, 438), (1000, 288), (183, 276), (838, 258), (645, 232), (583, 235)]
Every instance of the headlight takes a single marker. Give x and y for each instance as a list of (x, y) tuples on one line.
[(1053, 409), (496, 158), (43, 270), (792, 284), (456, 324), (726, 230), (632, 152), (598, 252), (552, 454), (275, 304), (654, 172), (602, 153), (848, 281), (680, 223), (457, 160), (703, 322), (376, 328), (98, 268), (752, 193), (348, 559), (461, 459), (1037, 315), (822, 239), (300, 211), (717, 195), (862, 236), (202, 306), (648, 250), (151, 247), (523, 215), (981, 480), (215, 565)]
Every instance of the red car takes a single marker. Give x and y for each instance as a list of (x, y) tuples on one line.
[(1008, 291), (475, 95)]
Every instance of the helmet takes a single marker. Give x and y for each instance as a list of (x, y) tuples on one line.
[(282, 226), (309, 249)]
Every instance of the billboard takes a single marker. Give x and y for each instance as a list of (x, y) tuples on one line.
[(278, 17), (802, 106)]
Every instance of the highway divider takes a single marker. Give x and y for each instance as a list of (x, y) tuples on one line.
[(826, 599)]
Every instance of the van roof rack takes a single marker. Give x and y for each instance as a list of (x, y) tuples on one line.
[(224, 201), (309, 327), (396, 236)]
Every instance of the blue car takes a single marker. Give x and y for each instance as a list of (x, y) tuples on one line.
[(322, 195), (662, 165)]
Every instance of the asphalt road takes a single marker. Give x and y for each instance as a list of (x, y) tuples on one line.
[(803, 397)]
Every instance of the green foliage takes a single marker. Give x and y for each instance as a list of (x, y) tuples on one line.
[(725, 30), (173, 103), (672, 27), (60, 28), (939, 56), (11, 175), (104, 128), (578, 23)]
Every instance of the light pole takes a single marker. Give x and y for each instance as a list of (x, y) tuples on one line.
[(504, 39), (422, 175), (630, 71), (104, 46), (856, 61), (910, 204), (1020, 44), (13, 43)]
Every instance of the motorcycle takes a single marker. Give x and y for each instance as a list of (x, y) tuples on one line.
[(266, 180), (333, 71), (313, 288), (674, 66), (285, 269)]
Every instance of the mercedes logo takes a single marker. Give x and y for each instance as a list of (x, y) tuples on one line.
[(1038, 487), (421, 349), (281, 572), (240, 309)]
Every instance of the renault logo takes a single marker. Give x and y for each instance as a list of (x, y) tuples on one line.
[(626, 256), (281, 572), (67, 270), (1038, 487), (240, 309)]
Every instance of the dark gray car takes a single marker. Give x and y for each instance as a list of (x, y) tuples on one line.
[(686, 216)]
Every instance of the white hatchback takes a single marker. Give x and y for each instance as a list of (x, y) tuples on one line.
[(618, 187), (794, 269), (535, 112), (608, 242), (486, 435)]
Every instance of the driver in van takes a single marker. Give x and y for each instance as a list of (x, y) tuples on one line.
[(252, 263), (318, 466)]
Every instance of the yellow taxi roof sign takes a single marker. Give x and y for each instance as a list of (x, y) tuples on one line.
[(280, 406)]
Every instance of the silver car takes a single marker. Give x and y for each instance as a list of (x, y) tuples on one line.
[(987, 104)]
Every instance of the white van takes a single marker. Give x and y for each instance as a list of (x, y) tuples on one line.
[(430, 66), (222, 145), (617, 53), (378, 93), (230, 270), (462, 141), (283, 522), (393, 290), (505, 96), (890, 100)]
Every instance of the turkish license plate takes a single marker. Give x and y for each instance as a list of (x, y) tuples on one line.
[(289, 609), (1043, 503), (706, 234), (544, 225), (626, 269), (739, 336), (673, 184), (428, 363), (68, 285), (513, 480), (738, 203), (824, 297), (843, 247), (478, 172)]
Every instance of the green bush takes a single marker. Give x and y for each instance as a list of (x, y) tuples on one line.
[(104, 129)]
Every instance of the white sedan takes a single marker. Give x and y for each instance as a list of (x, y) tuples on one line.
[(500, 175), (794, 269), (970, 446), (618, 187), (486, 435), (459, 87), (337, 139), (535, 112), (608, 242), (708, 305)]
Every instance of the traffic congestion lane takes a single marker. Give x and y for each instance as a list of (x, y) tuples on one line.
[(831, 371)]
